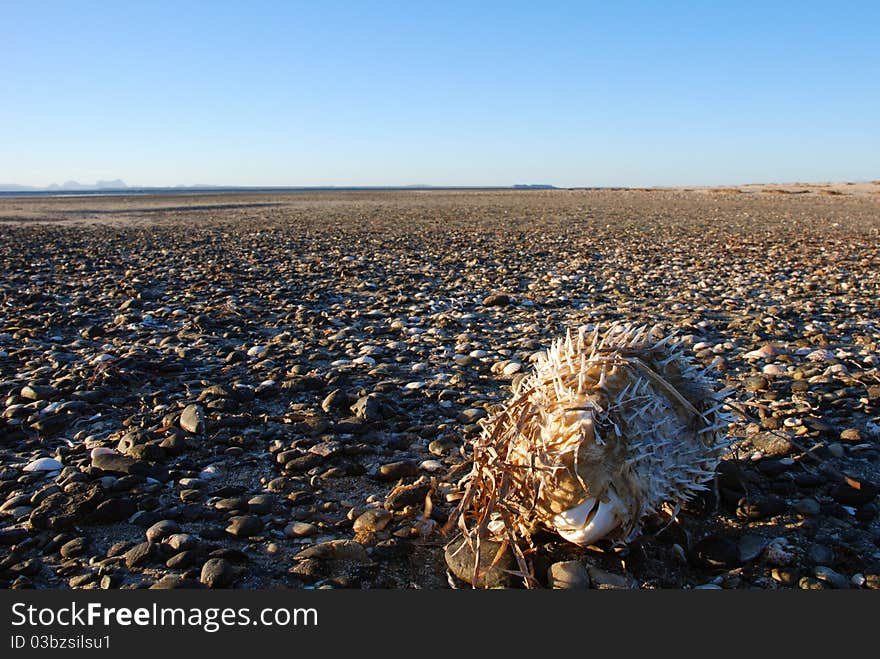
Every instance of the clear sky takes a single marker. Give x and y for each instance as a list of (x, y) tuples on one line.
[(445, 93)]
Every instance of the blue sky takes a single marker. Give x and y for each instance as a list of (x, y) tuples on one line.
[(453, 93)]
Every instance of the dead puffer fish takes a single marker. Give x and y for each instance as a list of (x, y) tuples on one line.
[(605, 430)]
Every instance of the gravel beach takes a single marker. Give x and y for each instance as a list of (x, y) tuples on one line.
[(277, 390)]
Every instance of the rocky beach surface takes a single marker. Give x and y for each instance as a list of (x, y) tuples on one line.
[(278, 390)]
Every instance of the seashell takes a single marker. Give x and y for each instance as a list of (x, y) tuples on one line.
[(44, 464), (820, 355), (767, 351), (606, 430)]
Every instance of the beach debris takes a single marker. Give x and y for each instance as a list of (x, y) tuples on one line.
[(606, 429)]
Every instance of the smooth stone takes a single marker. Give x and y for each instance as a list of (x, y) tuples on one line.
[(755, 383), (181, 541), (174, 582), (716, 551), (37, 392), (114, 462), (807, 507), (820, 554), (182, 560), (217, 573), (568, 575), (471, 415), (161, 530), (260, 504), (335, 550), (460, 556), (372, 521), (140, 554), (192, 420), (244, 526), (300, 530), (497, 300), (604, 580), (392, 471), (74, 547), (831, 577)]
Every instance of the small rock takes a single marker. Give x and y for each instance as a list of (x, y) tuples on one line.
[(497, 300), (300, 530), (182, 560), (372, 521), (181, 541), (851, 435), (755, 383), (244, 526), (217, 573), (820, 554), (750, 547), (770, 444), (392, 471), (368, 408), (73, 547), (568, 575), (193, 419), (716, 551), (472, 415), (807, 507), (461, 559), (779, 553), (829, 576), (604, 580), (335, 550), (140, 554), (161, 530), (37, 392)]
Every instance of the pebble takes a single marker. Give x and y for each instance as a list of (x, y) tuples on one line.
[(300, 530), (716, 551), (192, 419), (161, 530), (392, 471), (755, 383), (461, 559), (373, 520), (604, 580), (217, 573), (140, 554), (244, 526), (335, 550), (569, 575), (807, 507), (829, 576), (471, 415)]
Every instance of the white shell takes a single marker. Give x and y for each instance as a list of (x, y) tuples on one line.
[(44, 464)]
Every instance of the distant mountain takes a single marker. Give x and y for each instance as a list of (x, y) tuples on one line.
[(534, 186), (115, 184), (15, 187)]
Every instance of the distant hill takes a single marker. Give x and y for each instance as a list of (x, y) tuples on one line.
[(534, 186), (115, 184)]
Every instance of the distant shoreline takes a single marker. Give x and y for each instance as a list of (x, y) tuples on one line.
[(123, 192)]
